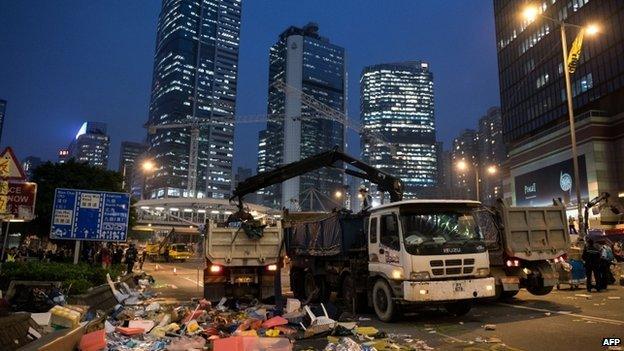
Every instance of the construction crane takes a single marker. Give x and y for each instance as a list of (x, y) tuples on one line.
[(196, 124)]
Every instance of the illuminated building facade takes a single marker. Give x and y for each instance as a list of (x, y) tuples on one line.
[(309, 63), (194, 79), (535, 119), (91, 145), (397, 108)]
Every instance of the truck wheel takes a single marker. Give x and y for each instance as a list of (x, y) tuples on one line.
[(349, 294), (458, 308), (296, 284), (539, 290), (384, 305), (311, 290), (508, 294)]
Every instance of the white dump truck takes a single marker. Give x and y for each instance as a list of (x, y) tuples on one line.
[(240, 265), (524, 243), (399, 254)]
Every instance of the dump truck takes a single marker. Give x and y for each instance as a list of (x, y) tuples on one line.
[(523, 244), (238, 265), (401, 255), (396, 255)]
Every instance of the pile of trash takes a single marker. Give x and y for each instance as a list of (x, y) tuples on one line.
[(142, 320)]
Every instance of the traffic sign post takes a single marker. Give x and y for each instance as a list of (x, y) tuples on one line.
[(17, 197), (89, 215)]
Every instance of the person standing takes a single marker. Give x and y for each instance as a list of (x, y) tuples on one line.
[(591, 260), (604, 266), (572, 226), (131, 256), (106, 256), (142, 260)]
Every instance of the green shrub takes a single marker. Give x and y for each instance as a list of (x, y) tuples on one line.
[(81, 276)]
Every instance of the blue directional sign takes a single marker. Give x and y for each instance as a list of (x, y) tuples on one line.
[(90, 215)]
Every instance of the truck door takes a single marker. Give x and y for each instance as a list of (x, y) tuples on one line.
[(389, 240)]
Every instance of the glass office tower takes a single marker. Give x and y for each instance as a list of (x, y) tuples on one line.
[(309, 63), (195, 76), (397, 109)]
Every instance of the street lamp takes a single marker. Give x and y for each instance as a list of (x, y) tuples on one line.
[(338, 194), (462, 166), (148, 166), (531, 13)]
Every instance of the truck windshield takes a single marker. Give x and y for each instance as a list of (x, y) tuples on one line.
[(441, 233)]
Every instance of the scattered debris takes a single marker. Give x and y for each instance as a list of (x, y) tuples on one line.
[(587, 296), (489, 327)]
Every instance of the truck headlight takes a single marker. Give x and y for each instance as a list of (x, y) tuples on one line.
[(482, 272), (424, 275), (397, 274)]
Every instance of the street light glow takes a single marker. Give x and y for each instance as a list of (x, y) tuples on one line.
[(462, 165), (492, 170), (530, 13), (148, 166), (592, 29), (338, 194)]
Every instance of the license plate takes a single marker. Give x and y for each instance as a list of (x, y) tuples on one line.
[(243, 279), (458, 287)]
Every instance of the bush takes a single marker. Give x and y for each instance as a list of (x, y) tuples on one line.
[(79, 277)]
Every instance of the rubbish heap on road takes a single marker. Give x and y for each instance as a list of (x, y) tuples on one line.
[(143, 320)]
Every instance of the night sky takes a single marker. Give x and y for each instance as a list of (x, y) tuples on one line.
[(63, 62)]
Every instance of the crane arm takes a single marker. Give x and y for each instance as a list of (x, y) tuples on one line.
[(384, 181)]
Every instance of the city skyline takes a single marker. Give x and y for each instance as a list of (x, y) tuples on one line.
[(397, 103), (375, 46)]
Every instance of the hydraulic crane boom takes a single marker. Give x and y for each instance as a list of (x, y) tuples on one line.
[(385, 182)]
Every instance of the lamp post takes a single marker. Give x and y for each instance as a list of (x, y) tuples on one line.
[(463, 167), (147, 166), (531, 13)]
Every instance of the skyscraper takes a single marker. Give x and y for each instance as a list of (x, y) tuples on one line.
[(308, 63), (465, 149), (194, 79), (130, 155), (534, 109), (491, 155), (3, 104), (397, 105), (29, 164), (91, 145)]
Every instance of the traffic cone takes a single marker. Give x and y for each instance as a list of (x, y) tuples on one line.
[(175, 270), (156, 266)]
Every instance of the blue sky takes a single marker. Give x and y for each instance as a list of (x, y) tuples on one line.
[(66, 61)]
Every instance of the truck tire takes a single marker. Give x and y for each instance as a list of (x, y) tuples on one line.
[(458, 308), (296, 284), (539, 290), (354, 302), (383, 303), (508, 294), (314, 289)]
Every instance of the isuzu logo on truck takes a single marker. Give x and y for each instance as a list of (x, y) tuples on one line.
[(452, 250)]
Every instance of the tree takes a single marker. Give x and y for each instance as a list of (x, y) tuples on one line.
[(70, 175)]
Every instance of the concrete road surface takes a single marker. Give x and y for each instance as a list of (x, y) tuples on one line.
[(563, 320)]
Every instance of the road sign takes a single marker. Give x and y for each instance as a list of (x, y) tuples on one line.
[(20, 199), (90, 215), (10, 168)]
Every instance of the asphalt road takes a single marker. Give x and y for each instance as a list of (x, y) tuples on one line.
[(563, 320)]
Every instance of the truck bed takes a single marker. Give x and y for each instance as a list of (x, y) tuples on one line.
[(231, 246), (329, 235), (535, 233)]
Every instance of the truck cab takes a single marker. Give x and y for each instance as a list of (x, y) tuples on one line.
[(424, 251)]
